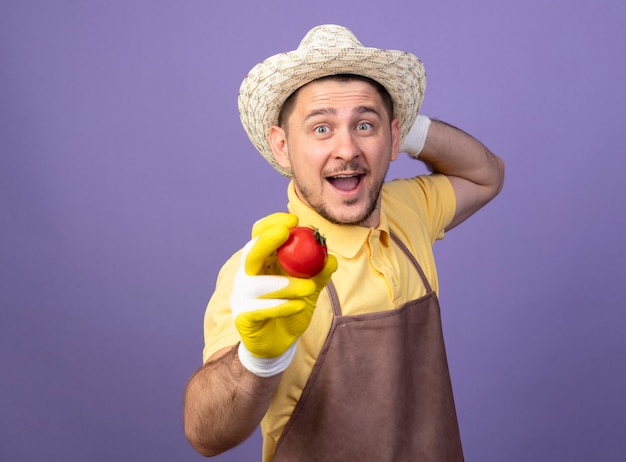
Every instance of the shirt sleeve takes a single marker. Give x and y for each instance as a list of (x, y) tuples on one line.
[(430, 197), (219, 328)]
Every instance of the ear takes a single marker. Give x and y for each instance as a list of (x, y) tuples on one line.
[(395, 139), (278, 142)]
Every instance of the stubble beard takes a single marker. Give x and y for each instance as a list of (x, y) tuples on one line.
[(325, 212)]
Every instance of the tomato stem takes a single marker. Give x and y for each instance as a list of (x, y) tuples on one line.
[(319, 237)]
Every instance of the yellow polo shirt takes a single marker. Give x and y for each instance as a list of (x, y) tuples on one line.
[(373, 275)]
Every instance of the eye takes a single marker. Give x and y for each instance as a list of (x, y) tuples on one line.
[(321, 129), (364, 126)]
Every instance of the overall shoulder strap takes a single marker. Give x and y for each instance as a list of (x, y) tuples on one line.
[(413, 260)]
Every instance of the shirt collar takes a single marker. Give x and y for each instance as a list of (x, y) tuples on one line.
[(343, 240)]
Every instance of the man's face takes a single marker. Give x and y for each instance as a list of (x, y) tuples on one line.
[(338, 142)]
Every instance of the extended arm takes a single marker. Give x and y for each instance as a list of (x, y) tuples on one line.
[(226, 398), (224, 403), (476, 174)]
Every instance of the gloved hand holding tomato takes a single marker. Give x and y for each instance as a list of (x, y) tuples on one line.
[(271, 310)]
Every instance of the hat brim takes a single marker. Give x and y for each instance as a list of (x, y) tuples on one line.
[(268, 85)]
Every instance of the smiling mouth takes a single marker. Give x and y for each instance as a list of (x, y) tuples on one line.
[(345, 182)]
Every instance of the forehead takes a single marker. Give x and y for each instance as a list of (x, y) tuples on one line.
[(336, 93)]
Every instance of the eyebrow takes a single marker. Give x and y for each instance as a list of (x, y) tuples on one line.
[(364, 109)]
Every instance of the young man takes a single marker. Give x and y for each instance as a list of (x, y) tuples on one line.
[(349, 364)]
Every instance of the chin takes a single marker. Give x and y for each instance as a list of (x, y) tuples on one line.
[(352, 217)]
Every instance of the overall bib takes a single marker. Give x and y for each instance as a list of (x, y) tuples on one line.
[(379, 391)]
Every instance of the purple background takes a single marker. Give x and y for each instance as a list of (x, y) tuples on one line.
[(126, 180)]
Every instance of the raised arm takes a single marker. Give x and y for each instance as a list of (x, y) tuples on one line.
[(476, 174)]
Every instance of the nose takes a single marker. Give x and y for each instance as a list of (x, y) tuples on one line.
[(346, 146)]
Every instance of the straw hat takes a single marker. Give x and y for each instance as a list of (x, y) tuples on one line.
[(326, 50)]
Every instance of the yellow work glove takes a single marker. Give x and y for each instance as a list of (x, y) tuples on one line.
[(272, 310)]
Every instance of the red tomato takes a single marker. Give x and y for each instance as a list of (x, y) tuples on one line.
[(303, 255)]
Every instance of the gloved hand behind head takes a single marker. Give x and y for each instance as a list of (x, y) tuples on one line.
[(271, 312)]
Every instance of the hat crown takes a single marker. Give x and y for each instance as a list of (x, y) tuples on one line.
[(329, 36)]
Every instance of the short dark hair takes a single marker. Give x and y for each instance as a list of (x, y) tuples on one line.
[(289, 103)]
